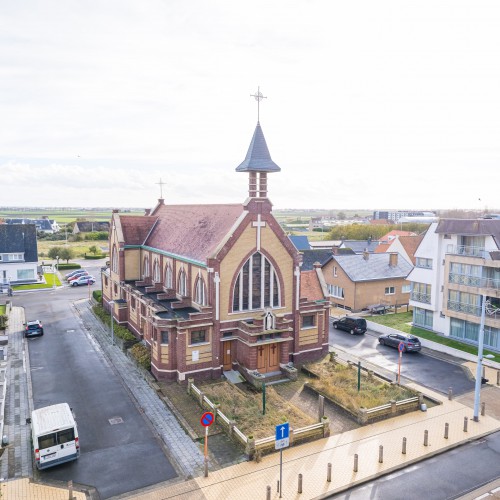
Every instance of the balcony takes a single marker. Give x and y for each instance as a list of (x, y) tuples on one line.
[(491, 312), (467, 251), (463, 279), (421, 297)]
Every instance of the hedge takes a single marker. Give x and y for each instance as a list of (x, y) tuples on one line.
[(95, 257), (118, 330), (71, 265), (142, 355), (97, 294)]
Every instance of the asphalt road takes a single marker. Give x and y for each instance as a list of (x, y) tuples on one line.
[(443, 477), (67, 366), (435, 373)]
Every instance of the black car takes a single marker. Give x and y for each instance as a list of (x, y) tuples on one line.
[(410, 342), (33, 328), (351, 324)]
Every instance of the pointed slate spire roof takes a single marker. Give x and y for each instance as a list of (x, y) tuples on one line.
[(258, 158)]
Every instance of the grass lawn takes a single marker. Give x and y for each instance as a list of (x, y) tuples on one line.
[(340, 383), (400, 321), (245, 408), (3, 308), (49, 278), (80, 248)]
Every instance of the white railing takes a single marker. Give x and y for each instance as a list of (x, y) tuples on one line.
[(468, 251), (475, 281), (421, 297)]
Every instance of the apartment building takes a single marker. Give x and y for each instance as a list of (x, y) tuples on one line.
[(456, 264)]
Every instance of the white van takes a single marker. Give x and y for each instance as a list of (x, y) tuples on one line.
[(55, 436)]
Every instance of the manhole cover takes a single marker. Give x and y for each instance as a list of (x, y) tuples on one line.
[(115, 420)]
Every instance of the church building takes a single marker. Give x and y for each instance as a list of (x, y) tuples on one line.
[(214, 288)]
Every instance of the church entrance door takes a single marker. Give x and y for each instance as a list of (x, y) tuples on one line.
[(227, 359), (268, 358)]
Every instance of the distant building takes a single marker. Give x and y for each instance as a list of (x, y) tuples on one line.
[(43, 225), (409, 216), (90, 227)]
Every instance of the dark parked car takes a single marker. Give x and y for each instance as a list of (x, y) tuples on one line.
[(410, 342), (351, 324), (33, 328)]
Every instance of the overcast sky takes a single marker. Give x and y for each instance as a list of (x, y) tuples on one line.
[(370, 104)]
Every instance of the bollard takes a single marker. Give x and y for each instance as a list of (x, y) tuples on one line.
[(268, 493), (278, 485), (466, 420), (498, 378), (426, 438), (70, 490), (299, 488), (450, 393), (403, 451), (380, 454), (484, 371), (356, 462), (329, 473), (446, 430), (483, 408)]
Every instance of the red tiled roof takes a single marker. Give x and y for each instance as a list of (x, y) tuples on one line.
[(192, 231), (310, 287), (383, 247), (136, 228), (410, 244)]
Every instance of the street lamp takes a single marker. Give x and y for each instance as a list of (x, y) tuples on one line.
[(55, 269), (111, 303)]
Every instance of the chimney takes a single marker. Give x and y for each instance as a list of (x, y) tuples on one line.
[(316, 265), (115, 210), (366, 255), (393, 259), (161, 201), (335, 250), (147, 211)]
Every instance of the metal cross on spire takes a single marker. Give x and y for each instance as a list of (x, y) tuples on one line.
[(161, 184), (258, 97)]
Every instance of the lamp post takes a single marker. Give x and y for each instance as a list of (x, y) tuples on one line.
[(55, 269), (111, 303)]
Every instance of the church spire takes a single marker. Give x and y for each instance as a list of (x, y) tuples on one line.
[(258, 161)]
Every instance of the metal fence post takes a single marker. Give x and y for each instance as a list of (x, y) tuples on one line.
[(356, 462), (321, 407), (403, 451), (426, 438), (450, 393), (380, 454), (483, 408), (299, 488), (329, 473), (446, 430), (466, 421)]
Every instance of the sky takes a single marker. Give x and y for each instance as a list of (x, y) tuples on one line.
[(369, 104)]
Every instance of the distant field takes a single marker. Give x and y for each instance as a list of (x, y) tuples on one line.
[(62, 216), (79, 247)]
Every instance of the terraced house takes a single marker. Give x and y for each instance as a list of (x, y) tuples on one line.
[(213, 288), (457, 267)]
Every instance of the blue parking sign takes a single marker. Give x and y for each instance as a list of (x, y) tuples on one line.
[(282, 436)]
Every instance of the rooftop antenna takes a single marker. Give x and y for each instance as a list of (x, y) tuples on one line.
[(161, 184), (258, 97)]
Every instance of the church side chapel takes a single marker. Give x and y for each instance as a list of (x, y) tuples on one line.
[(216, 288)]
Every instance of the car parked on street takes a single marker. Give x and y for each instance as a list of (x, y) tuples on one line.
[(410, 342), (76, 276), (83, 280), (74, 273), (33, 328), (351, 324)]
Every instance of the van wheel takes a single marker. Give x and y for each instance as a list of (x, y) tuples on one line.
[(335, 326), (382, 342), (352, 332)]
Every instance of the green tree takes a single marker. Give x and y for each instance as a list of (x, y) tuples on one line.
[(341, 216), (66, 254), (54, 253), (93, 249)]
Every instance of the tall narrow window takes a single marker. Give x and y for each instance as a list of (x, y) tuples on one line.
[(145, 270), (156, 272), (182, 283), (114, 260), (168, 277), (256, 285), (200, 295)]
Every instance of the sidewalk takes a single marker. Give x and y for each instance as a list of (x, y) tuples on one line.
[(250, 479)]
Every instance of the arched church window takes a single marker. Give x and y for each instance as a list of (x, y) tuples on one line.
[(156, 272), (182, 283), (200, 295), (114, 260), (169, 277), (145, 269), (256, 285)]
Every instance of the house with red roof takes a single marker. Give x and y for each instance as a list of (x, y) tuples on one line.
[(215, 288)]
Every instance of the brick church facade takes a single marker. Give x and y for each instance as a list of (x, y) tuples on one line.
[(212, 288)]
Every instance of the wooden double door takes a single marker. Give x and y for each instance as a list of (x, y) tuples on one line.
[(268, 358)]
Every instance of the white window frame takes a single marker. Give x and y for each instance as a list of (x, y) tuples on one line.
[(388, 290)]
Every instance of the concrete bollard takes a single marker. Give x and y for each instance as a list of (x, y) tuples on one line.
[(355, 463), (70, 490), (446, 430), (483, 408), (450, 393), (329, 473), (321, 407), (466, 421), (380, 454), (299, 488), (498, 378), (426, 438), (484, 372), (268, 493), (403, 451)]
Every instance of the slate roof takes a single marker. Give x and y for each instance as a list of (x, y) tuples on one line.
[(258, 158), (309, 257), (300, 242), (41, 224), (18, 238), (359, 246), (136, 228), (470, 227), (88, 227), (376, 267), (310, 287), (192, 231)]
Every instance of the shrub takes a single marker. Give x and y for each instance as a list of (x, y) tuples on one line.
[(71, 265), (142, 355), (97, 294), (3, 321), (92, 257), (118, 330)]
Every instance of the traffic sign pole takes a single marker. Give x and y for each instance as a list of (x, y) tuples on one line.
[(206, 451), (207, 419), (281, 470)]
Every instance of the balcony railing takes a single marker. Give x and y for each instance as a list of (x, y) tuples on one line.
[(472, 309), (468, 251), (421, 297), (463, 279)]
